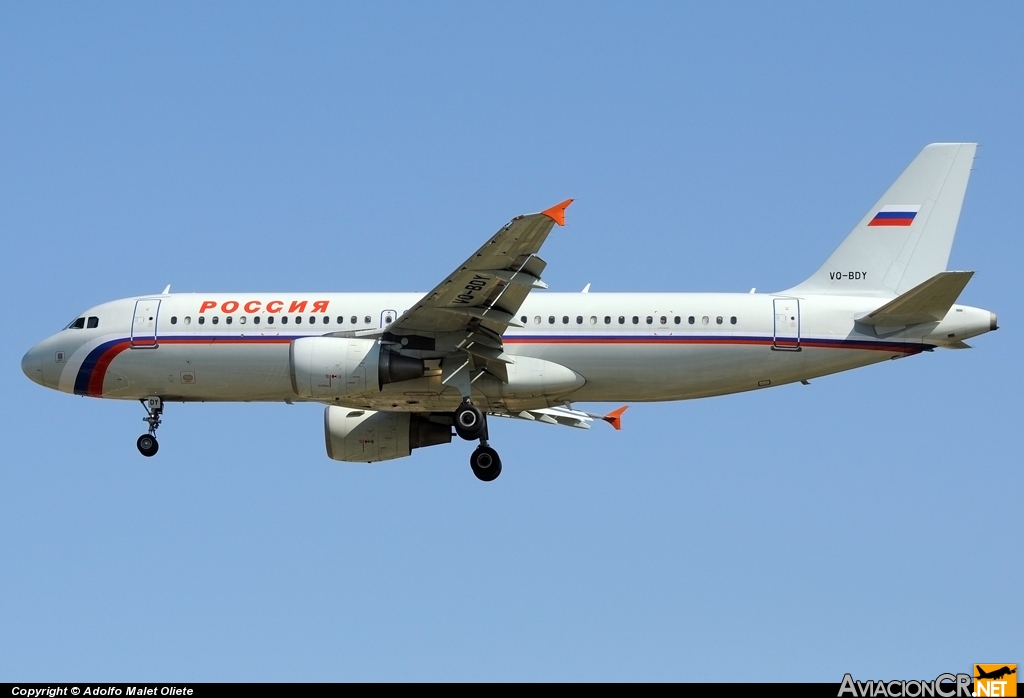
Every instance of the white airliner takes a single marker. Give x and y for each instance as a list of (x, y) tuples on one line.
[(399, 370)]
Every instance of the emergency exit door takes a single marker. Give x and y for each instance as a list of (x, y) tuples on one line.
[(787, 324), (147, 312)]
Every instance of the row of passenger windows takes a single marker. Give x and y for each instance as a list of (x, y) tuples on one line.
[(82, 323), (650, 320), (537, 320), (187, 320)]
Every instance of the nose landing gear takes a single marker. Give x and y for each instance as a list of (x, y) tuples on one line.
[(147, 443), (471, 424)]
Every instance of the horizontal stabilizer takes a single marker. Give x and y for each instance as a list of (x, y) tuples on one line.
[(926, 302)]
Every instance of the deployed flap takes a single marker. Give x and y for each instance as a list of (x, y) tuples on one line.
[(906, 237), (487, 289), (563, 416), (926, 302)]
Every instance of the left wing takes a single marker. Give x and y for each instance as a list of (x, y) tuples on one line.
[(471, 309), (567, 417)]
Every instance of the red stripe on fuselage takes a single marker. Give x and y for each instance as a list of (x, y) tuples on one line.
[(740, 341), (99, 371)]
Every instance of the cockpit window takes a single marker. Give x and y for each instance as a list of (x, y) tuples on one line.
[(93, 322), (77, 324)]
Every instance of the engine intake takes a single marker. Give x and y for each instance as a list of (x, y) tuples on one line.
[(365, 436)]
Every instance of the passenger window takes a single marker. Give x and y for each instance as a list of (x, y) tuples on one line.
[(284, 319), (579, 319), (607, 319), (677, 319), (622, 319), (565, 319), (256, 320), (593, 319), (522, 319), (227, 320), (174, 319), (341, 320), (326, 319), (536, 319), (188, 319), (241, 320), (636, 320), (202, 320), (77, 324), (367, 319), (551, 319), (704, 320), (691, 320), (718, 319), (298, 319), (732, 320), (354, 320), (270, 319), (650, 320), (664, 319), (216, 319)]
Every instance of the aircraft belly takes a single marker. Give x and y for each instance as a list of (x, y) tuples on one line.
[(656, 372)]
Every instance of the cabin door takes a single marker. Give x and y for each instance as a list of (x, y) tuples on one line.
[(787, 324), (147, 312)]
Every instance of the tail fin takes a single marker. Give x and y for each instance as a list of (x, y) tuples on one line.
[(906, 237)]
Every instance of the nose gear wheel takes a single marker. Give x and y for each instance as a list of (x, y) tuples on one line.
[(147, 443)]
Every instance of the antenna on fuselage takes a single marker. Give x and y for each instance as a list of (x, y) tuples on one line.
[(166, 291)]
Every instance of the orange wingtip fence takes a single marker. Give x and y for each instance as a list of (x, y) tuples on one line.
[(557, 212), (615, 418)]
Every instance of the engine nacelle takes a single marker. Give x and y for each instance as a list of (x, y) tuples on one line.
[(365, 436), (331, 367)]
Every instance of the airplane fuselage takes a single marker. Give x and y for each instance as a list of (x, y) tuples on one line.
[(625, 346)]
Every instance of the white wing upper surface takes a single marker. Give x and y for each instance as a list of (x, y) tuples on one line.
[(474, 305)]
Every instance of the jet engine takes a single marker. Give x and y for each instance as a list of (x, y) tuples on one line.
[(365, 436), (331, 367)]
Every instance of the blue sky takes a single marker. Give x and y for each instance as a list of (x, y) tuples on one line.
[(865, 523)]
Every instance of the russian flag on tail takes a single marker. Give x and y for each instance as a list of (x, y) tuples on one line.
[(895, 214)]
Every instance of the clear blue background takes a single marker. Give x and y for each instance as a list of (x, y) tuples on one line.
[(869, 523)]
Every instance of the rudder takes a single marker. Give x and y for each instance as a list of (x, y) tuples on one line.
[(906, 237)]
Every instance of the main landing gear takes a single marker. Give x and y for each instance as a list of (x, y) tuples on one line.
[(147, 443), (470, 424)]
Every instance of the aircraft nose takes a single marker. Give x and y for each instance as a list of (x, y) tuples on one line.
[(32, 365)]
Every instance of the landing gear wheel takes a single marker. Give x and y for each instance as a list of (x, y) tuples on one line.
[(469, 421), (485, 463), (154, 411), (147, 445)]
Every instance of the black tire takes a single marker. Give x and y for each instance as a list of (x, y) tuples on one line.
[(485, 463), (469, 422), (148, 445)]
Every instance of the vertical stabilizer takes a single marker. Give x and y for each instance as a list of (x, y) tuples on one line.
[(905, 238)]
